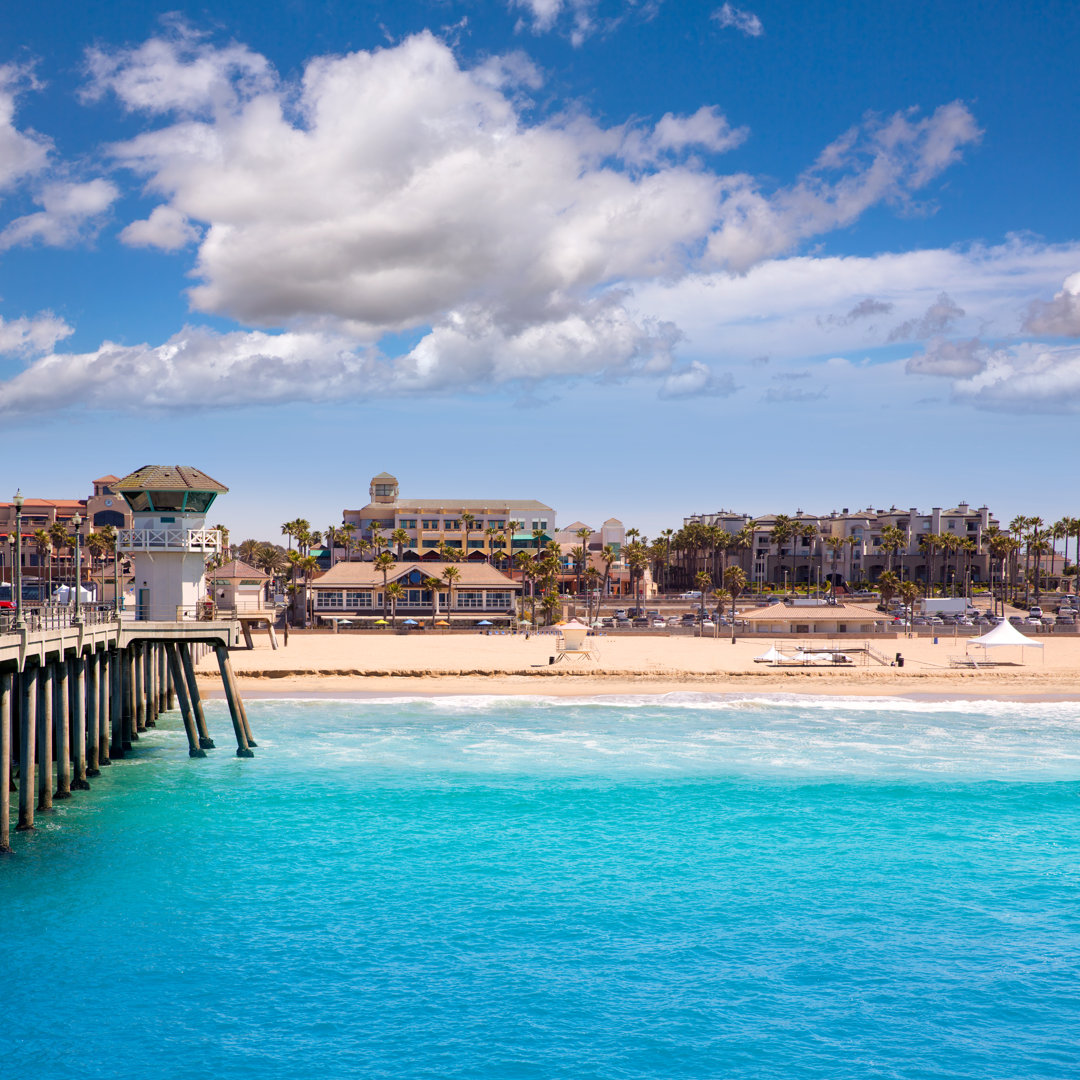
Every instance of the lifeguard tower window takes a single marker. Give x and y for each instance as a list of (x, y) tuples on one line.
[(194, 502)]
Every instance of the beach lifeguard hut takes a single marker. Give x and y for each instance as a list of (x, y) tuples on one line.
[(573, 643), (169, 543)]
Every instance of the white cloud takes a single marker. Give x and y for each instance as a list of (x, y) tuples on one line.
[(166, 228), (69, 210), (178, 74), (878, 161), (696, 380), (577, 18), (744, 21), (201, 367), (1028, 378), (1060, 316), (32, 336), (22, 153)]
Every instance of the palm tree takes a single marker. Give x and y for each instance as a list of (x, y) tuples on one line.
[(928, 545), (721, 596), (888, 584), (579, 554), (835, 544), (467, 522), (308, 565), (433, 584), (781, 533), (909, 592), (363, 547), (394, 593), (666, 538), (400, 537), (43, 543), (347, 532), (58, 535), (451, 575), (893, 541), (735, 582), (608, 555), (332, 539), (376, 537), (703, 583), (592, 579), (491, 532), (384, 563)]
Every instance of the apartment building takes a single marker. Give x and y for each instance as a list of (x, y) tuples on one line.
[(848, 546)]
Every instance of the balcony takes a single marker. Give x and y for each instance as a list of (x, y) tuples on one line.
[(204, 541)]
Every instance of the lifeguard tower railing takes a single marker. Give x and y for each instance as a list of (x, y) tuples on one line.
[(207, 540)]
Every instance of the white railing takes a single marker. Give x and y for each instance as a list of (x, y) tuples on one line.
[(204, 540)]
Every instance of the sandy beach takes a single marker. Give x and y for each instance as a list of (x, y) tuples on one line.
[(479, 664)]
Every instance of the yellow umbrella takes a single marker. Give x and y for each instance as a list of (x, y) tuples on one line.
[(442, 622)]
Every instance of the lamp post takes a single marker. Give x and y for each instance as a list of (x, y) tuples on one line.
[(16, 576), (116, 574), (76, 521)]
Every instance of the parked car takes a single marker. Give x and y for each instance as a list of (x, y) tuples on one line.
[(708, 624), (620, 613), (623, 624), (1066, 620), (1016, 620), (935, 620), (659, 624), (1031, 620), (1035, 612)]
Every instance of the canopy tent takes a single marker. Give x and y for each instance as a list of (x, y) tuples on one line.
[(770, 657), (66, 593), (1004, 634)]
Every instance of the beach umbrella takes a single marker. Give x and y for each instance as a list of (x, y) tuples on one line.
[(410, 622), (442, 622), (485, 622), (381, 622)]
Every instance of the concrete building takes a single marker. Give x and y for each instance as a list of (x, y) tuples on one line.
[(103, 507), (168, 543), (476, 527), (846, 547), (236, 586)]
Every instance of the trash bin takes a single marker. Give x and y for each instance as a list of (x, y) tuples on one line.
[(899, 660), (935, 641)]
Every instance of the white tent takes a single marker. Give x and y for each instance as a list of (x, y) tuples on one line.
[(66, 593), (771, 656), (1004, 634)]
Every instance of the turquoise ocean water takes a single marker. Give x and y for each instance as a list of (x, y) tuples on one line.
[(685, 887)]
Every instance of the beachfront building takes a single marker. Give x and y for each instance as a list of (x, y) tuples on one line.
[(814, 617), (845, 548), (478, 528), (42, 567), (358, 592), (236, 586), (612, 534)]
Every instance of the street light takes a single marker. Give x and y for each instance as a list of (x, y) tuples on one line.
[(116, 573), (76, 521), (17, 499)]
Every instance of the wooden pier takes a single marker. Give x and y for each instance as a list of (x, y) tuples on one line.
[(80, 689)]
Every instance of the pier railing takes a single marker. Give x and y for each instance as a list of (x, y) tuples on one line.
[(56, 616)]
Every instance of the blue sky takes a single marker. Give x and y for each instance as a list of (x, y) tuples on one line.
[(633, 258)]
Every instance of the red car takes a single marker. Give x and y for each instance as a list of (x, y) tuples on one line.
[(6, 604)]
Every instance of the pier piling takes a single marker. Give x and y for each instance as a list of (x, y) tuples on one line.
[(92, 670), (27, 746), (45, 736), (233, 698), (196, 700), (78, 723), (194, 749), (5, 757), (103, 709), (62, 736)]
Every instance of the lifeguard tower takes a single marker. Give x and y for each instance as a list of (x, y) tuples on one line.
[(168, 543)]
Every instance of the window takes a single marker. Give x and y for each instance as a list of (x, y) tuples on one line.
[(358, 599), (168, 521), (407, 523), (384, 489), (500, 599), (540, 524), (452, 524), (470, 599), (327, 598), (476, 543), (430, 523), (499, 524)]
